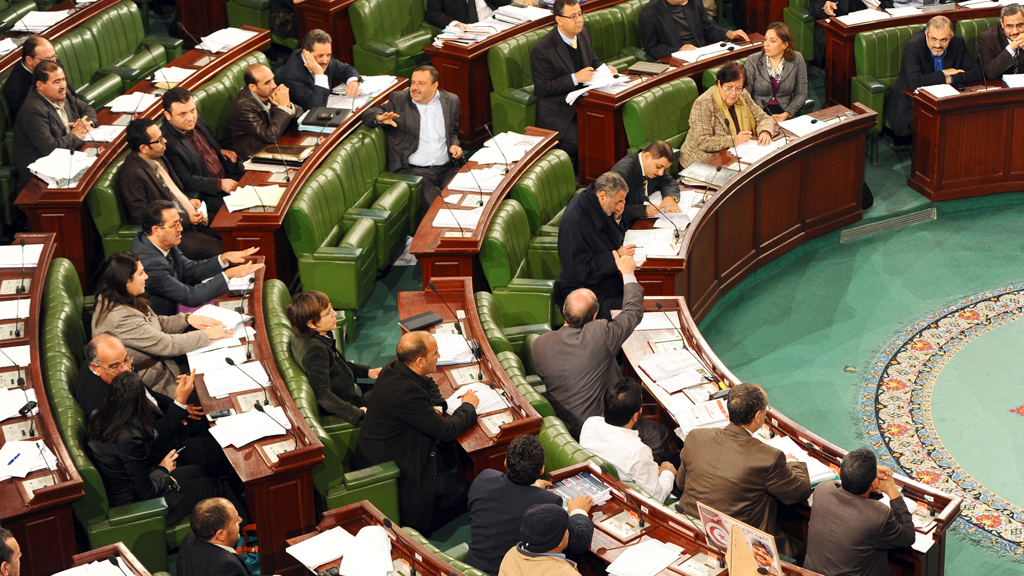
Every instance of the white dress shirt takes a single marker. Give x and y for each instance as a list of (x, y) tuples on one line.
[(630, 456), (432, 150)]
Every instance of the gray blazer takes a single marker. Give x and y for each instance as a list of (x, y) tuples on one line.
[(792, 91), (38, 130), (149, 337)]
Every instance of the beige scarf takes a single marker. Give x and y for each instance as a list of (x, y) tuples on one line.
[(743, 114)]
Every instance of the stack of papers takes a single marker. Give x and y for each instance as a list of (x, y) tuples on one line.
[(750, 151), (603, 77), (862, 17), (670, 365), (490, 401), (103, 133), (244, 283), (672, 221), (660, 320), (464, 219), (15, 256), (323, 548), (36, 22), (6, 45), (346, 102), (19, 458), (520, 14), (940, 90), (816, 470), (371, 85), (62, 168), (223, 382), (17, 308), (252, 196), (484, 180), (14, 399), (225, 39), (171, 74), (1014, 80), (248, 427), (132, 103), (252, 165), (369, 554), (104, 568), (453, 349), (691, 56), (647, 558), (466, 34), (653, 242), (904, 11), (711, 414), (580, 484), (802, 125), (214, 355), (233, 320)]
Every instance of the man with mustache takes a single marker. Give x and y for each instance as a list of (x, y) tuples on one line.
[(1000, 47), (50, 118)]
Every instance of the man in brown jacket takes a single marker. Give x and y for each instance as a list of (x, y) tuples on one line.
[(999, 47), (545, 534), (733, 472), (260, 115)]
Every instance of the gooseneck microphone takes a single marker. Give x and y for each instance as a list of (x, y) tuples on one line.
[(231, 362), (473, 346), (21, 381), (669, 318), (678, 234), (458, 325), (113, 560), (462, 233), (626, 495), (503, 157), (259, 408), (287, 170), (39, 446), (197, 43), (21, 287), (479, 188), (412, 557), (735, 150)]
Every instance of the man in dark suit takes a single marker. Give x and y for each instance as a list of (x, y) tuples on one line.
[(146, 176), (310, 73), (36, 49), (173, 278), (208, 550), (206, 171), (260, 115), (422, 125), (733, 472), (644, 173), (668, 26), (498, 501), (10, 554), (932, 56), (590, 243), (562, 61), (850, 531), (822, 9), (1000, 47), (401, 424), (457, 13), (50, 119)]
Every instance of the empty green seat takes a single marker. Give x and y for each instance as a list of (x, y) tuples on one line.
[(503, 337), (607, 28), (454, 556), (11, 12), (108, 213), (971, 29), (661, 113), (390, 36), (630, 11), (513, 105), (878, 55), (801, 23), (544, 190)]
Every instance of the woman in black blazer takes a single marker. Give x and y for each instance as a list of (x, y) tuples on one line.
[(777, 77), (120, 440)]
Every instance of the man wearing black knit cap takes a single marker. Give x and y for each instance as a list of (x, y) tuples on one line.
[(544, 533)]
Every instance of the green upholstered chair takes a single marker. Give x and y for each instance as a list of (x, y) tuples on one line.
[(11, 12), (215, 97), (529, 385), (878, 55), (661, 113), (608, 29), (513, 105), (710, 77), (544, 191), (630, 11), (390, 36), (107, 211), (800, 21), (970, 29), (455, 556), (502, 336), (336, 484), (141, 526), (256, 13), (561, 450)]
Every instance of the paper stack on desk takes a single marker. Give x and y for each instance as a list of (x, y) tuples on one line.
[(14, 256), (346, 102), (14, 399), (103, 133), (104, 568), (241, 284), (490, 400), (691, 56), (750, 151), (710, 414), (17, 308), (940, 90), (371, 85), (248, 427), (209, 359), (225, 39), (520, 14), (171, 75), (453, 349), (251, 196), (323, 548), (483, 180), (652, 242), (37, 21), (465, 219), (62, 168), (7, 45), (369, 554), (815, 469), (602, 77), (15, 356), (222, 382), (1014, 80), (132, 103), (19, 458), (862, 17), (231, 319), (647, 558)]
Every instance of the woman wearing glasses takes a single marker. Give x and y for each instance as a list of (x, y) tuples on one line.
[(154, 342), (723, 117)]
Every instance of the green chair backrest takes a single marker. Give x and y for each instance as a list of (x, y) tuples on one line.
[(630, 11), (358, 162), (119, 30), (971, 29), (503, 251), (214, 98), (561, 450), (878, 53), (546, 188), (608, 30), (79, 52), (385, 20), (105, 201), (509, 61), (661, 113), (490, 319)]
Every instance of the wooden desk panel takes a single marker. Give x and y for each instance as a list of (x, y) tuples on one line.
[(602, 135), (125, 559), (332, 17), (756, 15), (946, 164), (200, 18), (62, 211)]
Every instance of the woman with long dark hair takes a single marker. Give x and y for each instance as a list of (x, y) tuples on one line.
[(120, 439), (777, 77), (152, 341)]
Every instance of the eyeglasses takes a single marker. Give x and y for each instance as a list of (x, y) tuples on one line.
[(160, 140), (576, 16), (121, 366), (939, 41), (731, 89), (172, 225), (1014, 26)]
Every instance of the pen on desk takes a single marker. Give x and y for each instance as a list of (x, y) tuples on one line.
[(13, 459)]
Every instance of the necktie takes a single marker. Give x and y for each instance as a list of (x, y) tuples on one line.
[(1016, 61), (176, 192), (573, 44)]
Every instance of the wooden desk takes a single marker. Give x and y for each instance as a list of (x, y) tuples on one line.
[(663, 524), (947, 163), (602, 136), (441, 254), (355, 517), (841, 66), (465, 73), (332, 17), (484, 450), (756, 15), (279, 496), (125, 559), (59, 29), (264, 228), (201, 18), (62, 211), (43, 523), (927, 555)]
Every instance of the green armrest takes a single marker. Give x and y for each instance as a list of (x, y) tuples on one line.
[(130, 75), (519, 96), (128, 231), (527, 285), (353, 213), (371, 475), (152, 508), (868, 84), (458, 552), (337, 254), (379, 49), (413, 43), (522, 305), (173, 46), (254, 4)]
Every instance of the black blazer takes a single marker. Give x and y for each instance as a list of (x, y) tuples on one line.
[(127, 474), (332, 377), (552, 77), (632, 172), (19, 82), (38, 130), (995, 59), (405, 139), (402, 425), (175, 279), (90, 391), (250, 127), (138, 185), (917, 69), (496, 509), (817, 10), (586, 238), (188, 165), (303, 89), (441, 12), (660, 35), (198, 558)]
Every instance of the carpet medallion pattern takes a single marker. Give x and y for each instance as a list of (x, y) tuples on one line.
[(897, 414)]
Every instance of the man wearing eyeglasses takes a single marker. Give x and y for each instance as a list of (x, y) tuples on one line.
[(562, 61), (668, 26), (934, 55), (36, 49), (1001, 48), (146, 176)]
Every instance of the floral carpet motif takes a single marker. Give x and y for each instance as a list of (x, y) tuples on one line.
[(897, 416)]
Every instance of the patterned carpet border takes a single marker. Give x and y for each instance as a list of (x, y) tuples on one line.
[(896, 410)]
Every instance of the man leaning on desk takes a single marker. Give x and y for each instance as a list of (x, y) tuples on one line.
[(310, 73), (1000, 47), (458, 13), (668, 26), (644, 173)]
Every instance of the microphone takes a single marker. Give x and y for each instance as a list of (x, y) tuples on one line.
[(812, 448), (462, 233), (458, 325), (678, 331), (677, 235), (777, 125), (197, 43), (625, 494), (28, 407), (231, 362), (501, 394), (21, 289), (248, 341), (503, 157), (478, 186), (259, 408), (17, 301), (245, 295), (473, 346), (287, 170), (113, 560), (734, 149), (152, 77), (45, 463), (21, 381), (412, 557)]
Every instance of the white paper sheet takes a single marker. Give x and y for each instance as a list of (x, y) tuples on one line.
[(904, 11), (815, 469), (222, 382), (39, 21), (372, 85), (229, 318), (484, 180), (17, 308), (862, 17), (132, 103), (659, 320), (105, 133), (62, 168), (323, 548), (243, 429), (172, 74), (250, 196), (214, 359), (15, 256), (940, 90), (225, 39), (704, 52), (489, 399), (802, 125), (11, 356), (1014, 80), (453, 349), (29, 459), (369, 554), (7, 45), (14, 399), (467, 219)]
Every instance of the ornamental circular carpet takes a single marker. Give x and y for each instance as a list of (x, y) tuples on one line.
[(952, 415)]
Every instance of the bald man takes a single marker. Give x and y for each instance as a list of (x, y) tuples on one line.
[(404, 422), (208, 550), (260, 115), (36, 49)]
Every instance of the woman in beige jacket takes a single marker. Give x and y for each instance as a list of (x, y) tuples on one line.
[(153, 342)]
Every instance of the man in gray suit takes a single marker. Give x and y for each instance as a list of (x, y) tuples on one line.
[(50, 119), (850, 531), (578, 362), (733, 472), (422, 125)]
